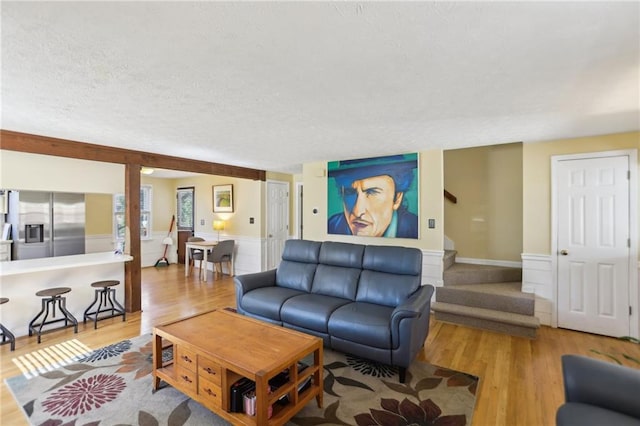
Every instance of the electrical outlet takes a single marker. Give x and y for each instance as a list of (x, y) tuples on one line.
[(251, 220), (432, 223), (202, 222)]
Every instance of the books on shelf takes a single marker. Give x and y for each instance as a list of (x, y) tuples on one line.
[(243, 391)]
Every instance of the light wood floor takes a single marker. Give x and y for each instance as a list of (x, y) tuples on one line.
[(520, 379)]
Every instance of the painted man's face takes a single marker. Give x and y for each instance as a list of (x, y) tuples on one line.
[(369, 205)]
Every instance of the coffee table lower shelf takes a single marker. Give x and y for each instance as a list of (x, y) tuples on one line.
[(213, 401)]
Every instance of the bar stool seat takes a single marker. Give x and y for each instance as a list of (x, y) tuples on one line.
[(105, 297), (7, 336), (50, 298)]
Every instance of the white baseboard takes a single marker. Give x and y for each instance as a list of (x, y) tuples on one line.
[(490, 262)]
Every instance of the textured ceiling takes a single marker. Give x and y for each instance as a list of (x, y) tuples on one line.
[(275, 85)]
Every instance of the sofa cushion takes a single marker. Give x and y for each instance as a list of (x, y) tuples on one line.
[(390, 275), (301, 251), (298, 265), (310, 311), (386, 289), (336, 281), (393, 260), (576, 413), (295, 275), (266, 301), (364, 323), (341, 254)]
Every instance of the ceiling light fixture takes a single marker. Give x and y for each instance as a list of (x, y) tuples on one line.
[(146, 170)]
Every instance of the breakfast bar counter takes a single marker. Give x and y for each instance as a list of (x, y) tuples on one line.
[(21, 279)]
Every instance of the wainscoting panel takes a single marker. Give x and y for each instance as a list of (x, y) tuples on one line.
[(537, 278), (432, 267), (248, 252), (248, 255), (153, 249)]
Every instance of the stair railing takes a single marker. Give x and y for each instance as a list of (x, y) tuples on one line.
[(449, 196)]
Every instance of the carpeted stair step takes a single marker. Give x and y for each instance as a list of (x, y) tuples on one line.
[(448, 259), (506, 297), (467, 273), (487, 319)]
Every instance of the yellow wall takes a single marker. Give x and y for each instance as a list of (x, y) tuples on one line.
[(537, 181), (247, 196), (35, 172), (431, 205), (164, 201), (99, 207), (98, 214), (297, 210), (486, 222)]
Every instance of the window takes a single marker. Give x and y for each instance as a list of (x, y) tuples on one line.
[(185, 208), (145, 214)]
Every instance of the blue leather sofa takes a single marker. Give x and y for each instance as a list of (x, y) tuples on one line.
[(599, 393), (360, 299)]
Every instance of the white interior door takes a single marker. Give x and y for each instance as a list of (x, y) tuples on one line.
[(593, 244), (277, 221)]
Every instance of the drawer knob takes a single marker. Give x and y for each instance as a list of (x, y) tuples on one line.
[(186, 379), (210, 370), (186, 358), (210, 392)]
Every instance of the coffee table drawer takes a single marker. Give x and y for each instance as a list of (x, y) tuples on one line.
[(210, 392), (186, 358), (209, 370), (186, 380)]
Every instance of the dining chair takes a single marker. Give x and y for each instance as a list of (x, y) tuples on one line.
[(195, 254), (222, 252)]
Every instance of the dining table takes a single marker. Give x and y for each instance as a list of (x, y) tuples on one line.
[(206, 247)]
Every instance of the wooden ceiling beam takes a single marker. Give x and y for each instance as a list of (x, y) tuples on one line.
[(36, 144)]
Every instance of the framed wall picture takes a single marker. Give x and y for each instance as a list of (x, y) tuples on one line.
[(223, 198), (374, 197)]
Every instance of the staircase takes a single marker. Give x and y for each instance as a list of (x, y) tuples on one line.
[(487, 297)]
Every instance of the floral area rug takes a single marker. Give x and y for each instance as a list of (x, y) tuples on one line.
[(112, 386)]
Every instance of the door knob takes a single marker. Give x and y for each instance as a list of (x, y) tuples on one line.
[(564, 252)]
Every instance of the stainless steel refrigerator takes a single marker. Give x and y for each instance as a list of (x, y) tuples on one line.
[(46, 224)]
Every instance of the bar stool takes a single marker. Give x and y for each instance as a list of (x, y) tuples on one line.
[(51, 298), (106, 299), (7, 336)]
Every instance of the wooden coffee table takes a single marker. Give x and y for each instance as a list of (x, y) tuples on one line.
[(213, 350)]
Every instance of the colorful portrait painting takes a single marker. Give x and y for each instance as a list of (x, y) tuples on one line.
[(375, 197)]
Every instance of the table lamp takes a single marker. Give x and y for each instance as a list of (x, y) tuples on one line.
[(218, 225)]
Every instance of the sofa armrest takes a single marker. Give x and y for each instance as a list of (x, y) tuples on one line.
[(417, 305), (248, 282), (414, 305), (600, 383)]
